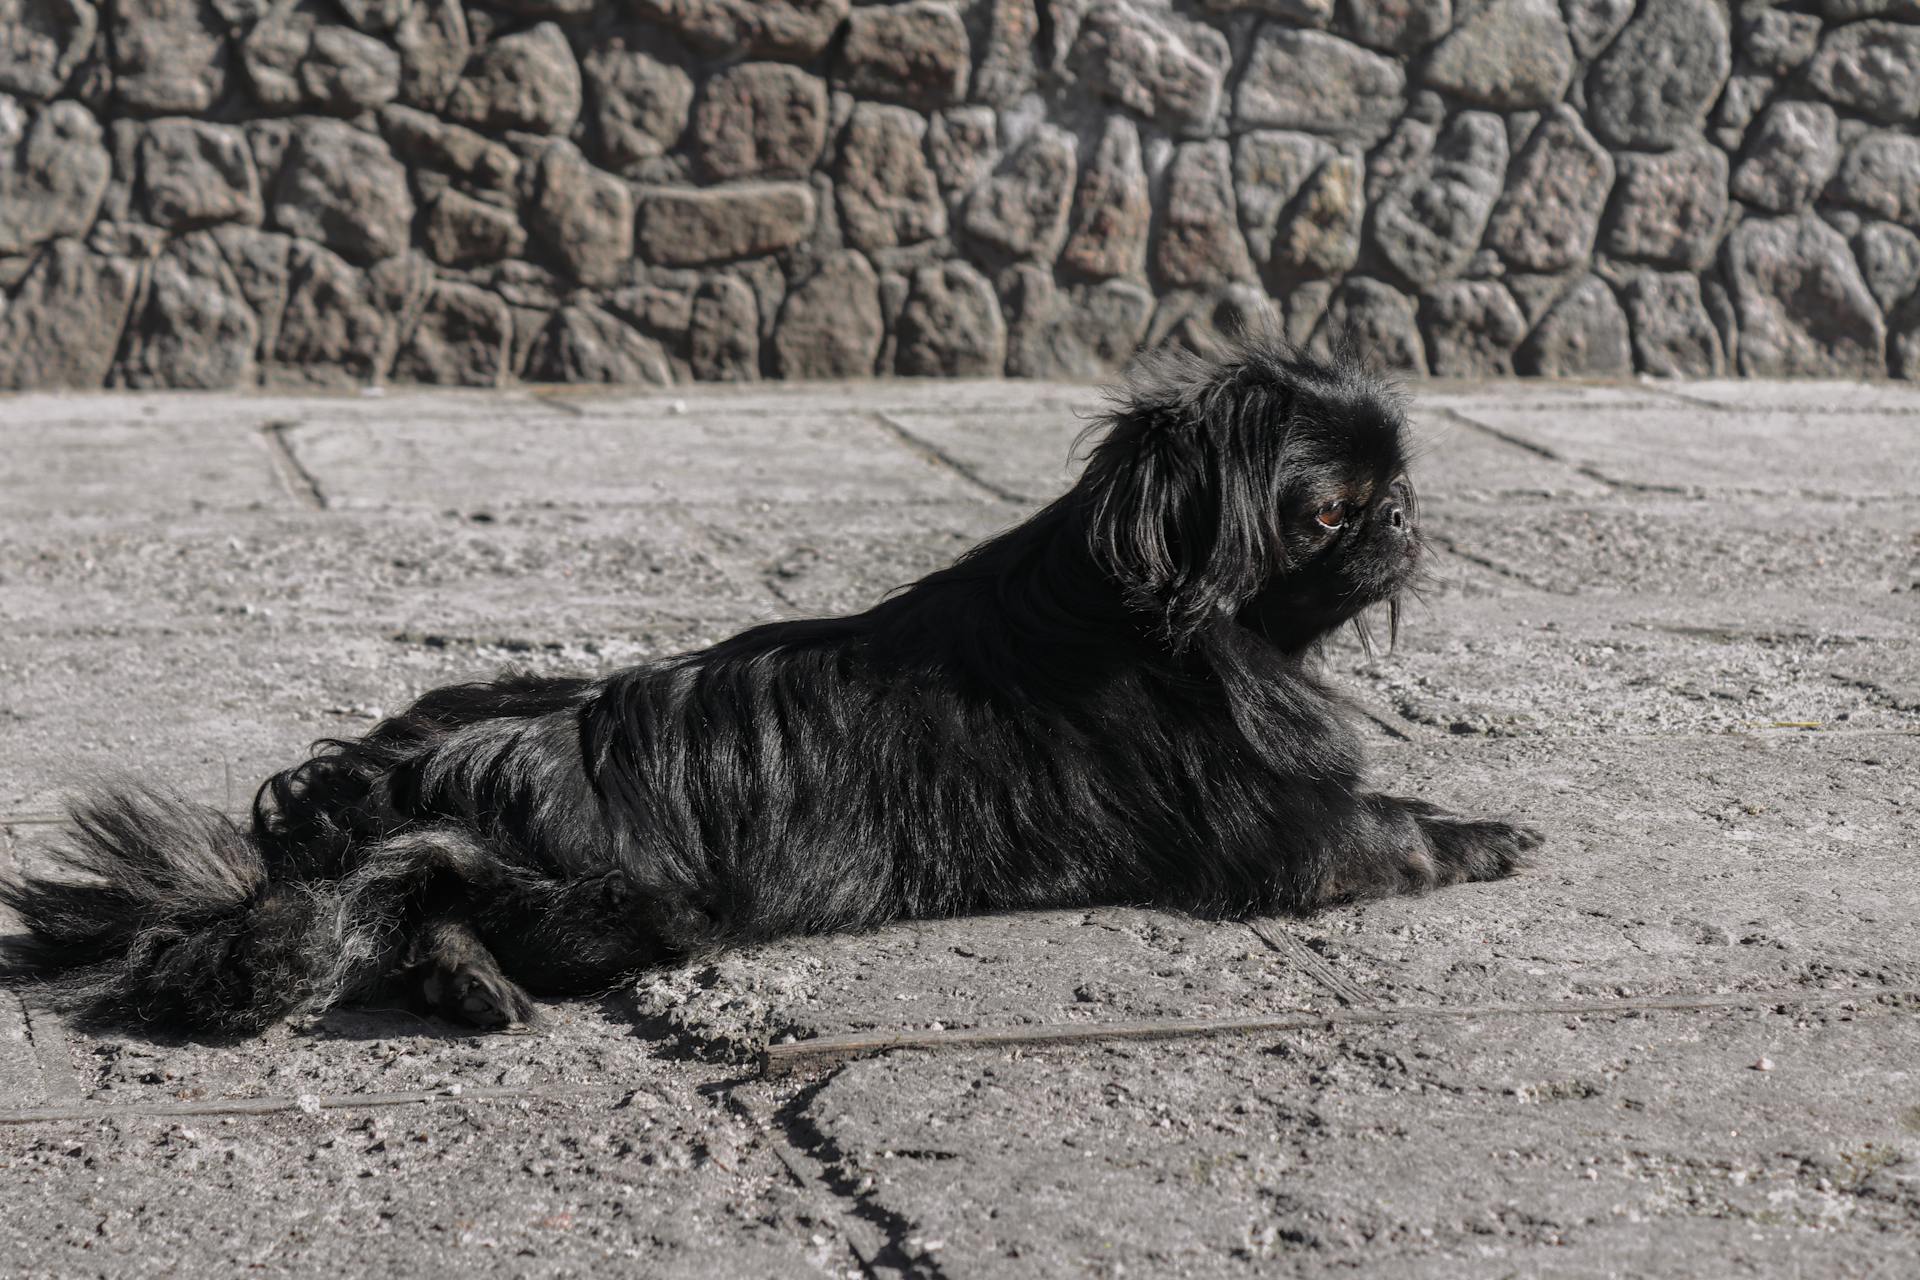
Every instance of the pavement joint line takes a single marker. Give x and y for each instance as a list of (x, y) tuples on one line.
[(1452, 547), (299, 482), (1282, 941), (934, 453), (47, 1033), (308, 1102), (828, 1051), (1721, 406), (1400, 733), (808, 1172), (1592, 473)]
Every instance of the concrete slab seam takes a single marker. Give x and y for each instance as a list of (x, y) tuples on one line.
[(1589, 472), (785, 1059), (294, 476), (934, 453)]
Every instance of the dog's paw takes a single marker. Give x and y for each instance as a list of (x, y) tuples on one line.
[(1477, 849), (475, 995)]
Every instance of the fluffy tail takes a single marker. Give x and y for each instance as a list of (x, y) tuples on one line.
[(158, 910)]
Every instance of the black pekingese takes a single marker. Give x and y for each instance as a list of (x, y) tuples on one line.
[(1114, 702)]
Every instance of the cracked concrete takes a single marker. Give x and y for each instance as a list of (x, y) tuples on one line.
[(1673, 625)]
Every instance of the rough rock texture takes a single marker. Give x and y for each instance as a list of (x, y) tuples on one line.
[(52, 182), (1592, 24), (1655, 82), (796, 29), (636, 105), (333, 329), (723, 332), (581, 217), (1269, 168), (342, 191), (887, 194), (1320, 83), (950, 325), (343, 188), (1393, 26), (433, 43), (460, 231), (1558, 185), (760, 118), (524, 81), (685, 228), (914, 53), (1379, 321), (1021, 210), (41, 42), (962, 145), (1199, 244), (1319, 232), (1889, 258), (1881, 175), (167, 56), (1668, 207), (194, 327), (1429, 224), (1673, 336), (1789, 155), (585, 344), (1086, 331), (1583, 335), (1471, 328), (1111, 208), (1510, 55), (831, 325), (1871, 67), (1804, 309), (64, 323), (1130, 57), (194, 174)]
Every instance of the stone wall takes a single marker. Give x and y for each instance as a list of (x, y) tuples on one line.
[(208, 193)]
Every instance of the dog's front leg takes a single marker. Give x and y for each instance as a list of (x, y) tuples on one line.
[(1403, 845)]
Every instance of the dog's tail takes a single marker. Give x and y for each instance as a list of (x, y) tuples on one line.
[(158, 910)]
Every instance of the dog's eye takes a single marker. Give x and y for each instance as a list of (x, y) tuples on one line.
[(1332, 516)]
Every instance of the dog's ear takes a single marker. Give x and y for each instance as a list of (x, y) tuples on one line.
[(1182, 494)]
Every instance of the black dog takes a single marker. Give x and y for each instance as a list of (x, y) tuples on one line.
[(1113, 702)]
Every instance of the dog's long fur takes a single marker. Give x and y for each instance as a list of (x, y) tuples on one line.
[(1112, 702)]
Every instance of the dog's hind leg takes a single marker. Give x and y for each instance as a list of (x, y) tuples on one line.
[(452, 973)]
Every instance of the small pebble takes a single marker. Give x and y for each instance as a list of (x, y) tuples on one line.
[(1765, 1064)]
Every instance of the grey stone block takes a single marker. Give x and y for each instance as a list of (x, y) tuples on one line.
[(1871, 67), (1320, 83), (636, 107), (1111, 208), (1507, 55), (759, 119), (1021, 210), (1429, 223), (1556, 189), (885, 191), (951, 325), (1198, 244), (916, 53), (831, 325), (1656, 80), (1804, 309), (528, 80)]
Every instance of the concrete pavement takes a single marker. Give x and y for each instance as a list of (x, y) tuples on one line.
[(1676, 629)]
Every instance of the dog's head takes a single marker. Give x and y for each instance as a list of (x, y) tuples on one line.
[(1259, 487)]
